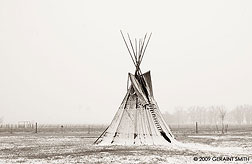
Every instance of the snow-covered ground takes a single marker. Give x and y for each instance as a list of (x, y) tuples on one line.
[(31, 148)]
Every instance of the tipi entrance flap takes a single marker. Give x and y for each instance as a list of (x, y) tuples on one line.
[(138, 89), (147, 78)]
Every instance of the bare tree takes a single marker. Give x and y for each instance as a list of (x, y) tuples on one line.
[(238, 114), (192, 114), (199, 114), (179, 115), (215, 115), (222, 112), (247, 113), (211, 115)]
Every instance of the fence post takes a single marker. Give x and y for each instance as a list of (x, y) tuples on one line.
[(36, 127), (196, 127), (11, 128)]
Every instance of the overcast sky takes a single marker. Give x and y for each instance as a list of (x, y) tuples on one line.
[(65, 61)]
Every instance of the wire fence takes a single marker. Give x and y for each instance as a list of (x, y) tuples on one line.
[(96, 130), (52, 128)]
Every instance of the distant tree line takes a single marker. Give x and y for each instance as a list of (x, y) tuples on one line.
[(211, 115)]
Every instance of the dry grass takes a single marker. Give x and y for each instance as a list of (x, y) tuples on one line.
[(75, 146)]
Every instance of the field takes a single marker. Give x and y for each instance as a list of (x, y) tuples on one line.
[(73, 144)]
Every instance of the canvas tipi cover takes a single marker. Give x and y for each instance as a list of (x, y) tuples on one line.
[(138, 120)]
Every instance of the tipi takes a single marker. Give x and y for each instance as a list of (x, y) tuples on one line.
[(138, 120)]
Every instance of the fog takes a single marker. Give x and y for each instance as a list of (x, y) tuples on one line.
[(65, 61)]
